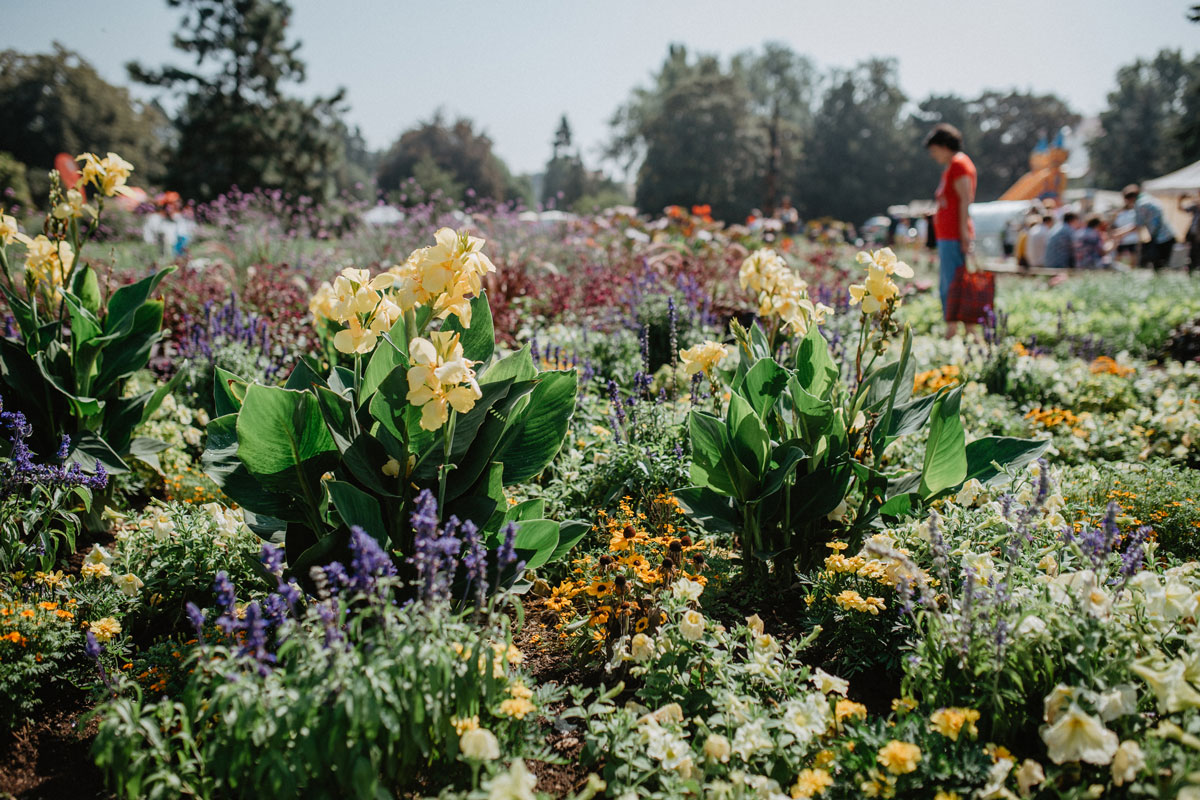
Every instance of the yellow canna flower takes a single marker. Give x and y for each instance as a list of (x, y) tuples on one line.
[(107, 174), (879, 290), (48, 261), (445, 275), (355, 338), (321, 303), (440, 378), (8, 229), (72, 206), (781, 292), (703, 357)]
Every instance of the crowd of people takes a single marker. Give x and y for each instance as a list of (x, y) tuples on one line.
[(1138, 234)]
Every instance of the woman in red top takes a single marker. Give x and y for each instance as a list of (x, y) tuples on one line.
[(952, 220)]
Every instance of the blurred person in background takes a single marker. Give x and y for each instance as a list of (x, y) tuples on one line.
[(952, 221), (1039, 237), (1089, 245), (1060, 247), (1148, 214), (1193, 231), (1127, 245)]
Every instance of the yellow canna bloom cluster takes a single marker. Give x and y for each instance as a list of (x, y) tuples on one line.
[(781, 292), (72, 206), (359, 302), (47, 260), (8, 229), (703, 357), (879, 289), (445, 276), (440, 378), (107, 174)]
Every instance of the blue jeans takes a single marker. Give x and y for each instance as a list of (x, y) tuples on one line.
[(950, 258)]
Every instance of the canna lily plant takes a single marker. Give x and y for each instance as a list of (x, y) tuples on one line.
[(796, 445), (423, 407), (76, 346)]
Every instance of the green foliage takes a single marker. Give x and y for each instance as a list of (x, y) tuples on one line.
[(696, 138), (1162, 495), (784, 460), (57, 102), (236, 126), (12, 179), (176, 550), (1149, 124), (308, 460), (387, 686), (39, 649), (77, 348), (847, 174)]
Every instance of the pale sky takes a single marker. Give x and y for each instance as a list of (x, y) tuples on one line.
[(515, 67)]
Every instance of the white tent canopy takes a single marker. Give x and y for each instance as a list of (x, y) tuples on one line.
[(1181, 180)]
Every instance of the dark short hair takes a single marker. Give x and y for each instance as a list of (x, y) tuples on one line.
[(1070, 217), (946, 135), (1132, 190), (1047, 219), (1093, 222)]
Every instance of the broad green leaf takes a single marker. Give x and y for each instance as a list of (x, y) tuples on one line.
[(130, 351), (903, 420), (714, 462), (86, 288), (535, 436), (1003, 450), (479, 340), (391, 352), (338, 416), (783, 463), (220, 462), (527, 509), (228, 392), (945, 453), (305, 376), (714, 511), (569, 535), (746, 433), (283, 441), (87, 449), (125, 301), (763, 385), (536, 541), (815, 370), (518, 366), (356, 507)]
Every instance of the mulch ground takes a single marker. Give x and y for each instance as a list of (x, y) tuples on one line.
[(49, 758)]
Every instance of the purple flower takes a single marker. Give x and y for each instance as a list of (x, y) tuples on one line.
[(475, 562), (368, 561), (91, 647), (272, 558), (196, 616)]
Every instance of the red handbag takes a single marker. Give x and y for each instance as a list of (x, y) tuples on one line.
[(971, 294)]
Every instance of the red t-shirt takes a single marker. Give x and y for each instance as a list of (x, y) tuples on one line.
[(945, 220)]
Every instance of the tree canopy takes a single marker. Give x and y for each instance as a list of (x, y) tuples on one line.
[(236, 126), (452, 157), (1150, 124), (56, 102)]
